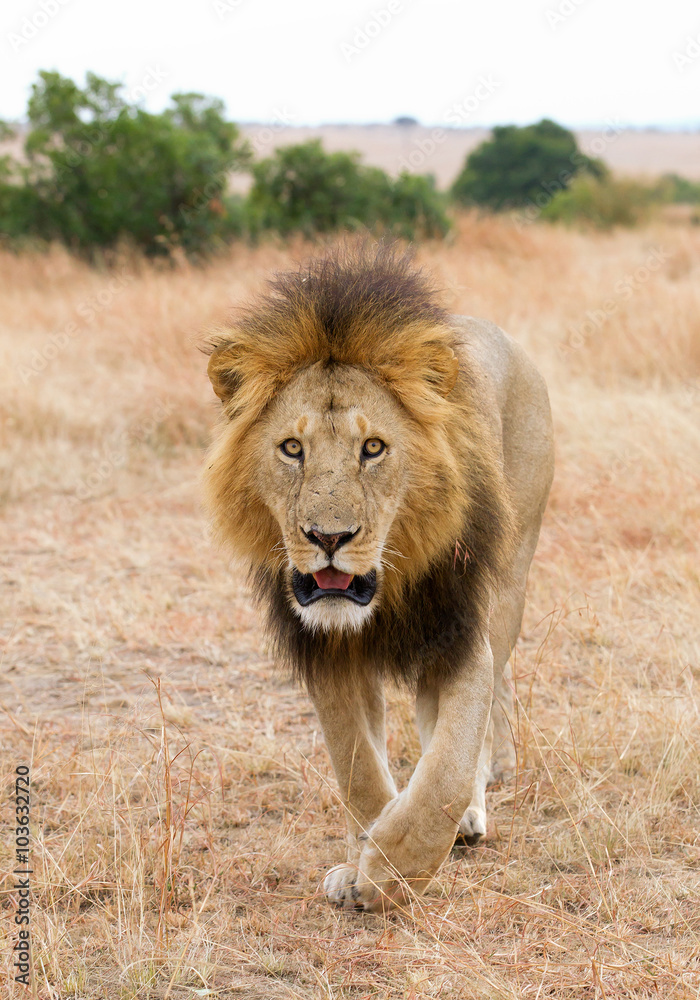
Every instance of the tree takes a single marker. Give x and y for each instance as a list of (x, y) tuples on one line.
[(100, 170), (522, 166), (303, 188)]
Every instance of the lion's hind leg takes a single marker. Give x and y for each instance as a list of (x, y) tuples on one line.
[(503, 760), (505, 622), (472, 826)]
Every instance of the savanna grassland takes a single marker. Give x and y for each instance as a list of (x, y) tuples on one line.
[(184, 810)]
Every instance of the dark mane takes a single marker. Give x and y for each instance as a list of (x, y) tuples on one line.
[(340, 293), (358, 286)]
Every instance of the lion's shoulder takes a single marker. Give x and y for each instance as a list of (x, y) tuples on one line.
[(497, 357)]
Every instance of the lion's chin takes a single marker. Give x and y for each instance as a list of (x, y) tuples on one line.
[(334, 614)]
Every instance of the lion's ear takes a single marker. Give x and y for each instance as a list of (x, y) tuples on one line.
[(223, 372), (443, 368)]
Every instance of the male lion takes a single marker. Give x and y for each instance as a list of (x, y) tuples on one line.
[(382, 471)]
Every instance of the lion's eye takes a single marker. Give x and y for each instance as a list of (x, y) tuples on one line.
[(292, 447), (373, 447)]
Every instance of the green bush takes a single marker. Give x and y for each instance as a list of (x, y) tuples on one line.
[(304, 189), (416, 208), (100, 171), (678, 190), (520, 167), (601, 203)]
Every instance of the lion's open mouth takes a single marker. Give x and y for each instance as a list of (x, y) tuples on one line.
[(330, 582)]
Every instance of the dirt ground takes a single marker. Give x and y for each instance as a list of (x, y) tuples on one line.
[(183, 807)]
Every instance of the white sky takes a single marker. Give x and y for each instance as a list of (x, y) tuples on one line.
[(636, 62)]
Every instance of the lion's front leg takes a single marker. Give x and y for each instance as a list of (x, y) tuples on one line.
[(352, 716), (415, 831)]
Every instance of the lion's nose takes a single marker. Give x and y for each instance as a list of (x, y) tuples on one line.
[(329, 543)]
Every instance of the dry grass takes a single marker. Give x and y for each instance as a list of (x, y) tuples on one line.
[(184, 809)]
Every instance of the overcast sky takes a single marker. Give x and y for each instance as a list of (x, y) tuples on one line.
[(580, 62)]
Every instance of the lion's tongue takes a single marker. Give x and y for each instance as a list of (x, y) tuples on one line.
[(332, 579)]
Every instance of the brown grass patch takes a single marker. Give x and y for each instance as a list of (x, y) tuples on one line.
[(184, 809)]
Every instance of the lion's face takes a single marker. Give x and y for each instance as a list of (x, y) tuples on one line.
[(332, 469)]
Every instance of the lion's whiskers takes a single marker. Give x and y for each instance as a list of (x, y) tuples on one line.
[(394, 552)]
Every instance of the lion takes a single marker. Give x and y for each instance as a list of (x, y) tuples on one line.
[(382, 470)]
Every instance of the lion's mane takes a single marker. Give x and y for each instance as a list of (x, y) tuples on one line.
[(372, 309)]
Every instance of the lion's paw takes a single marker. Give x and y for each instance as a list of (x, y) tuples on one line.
[(472, 826), (346, 886)]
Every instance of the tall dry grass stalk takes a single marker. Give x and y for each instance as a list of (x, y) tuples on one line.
[(184, 809)]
